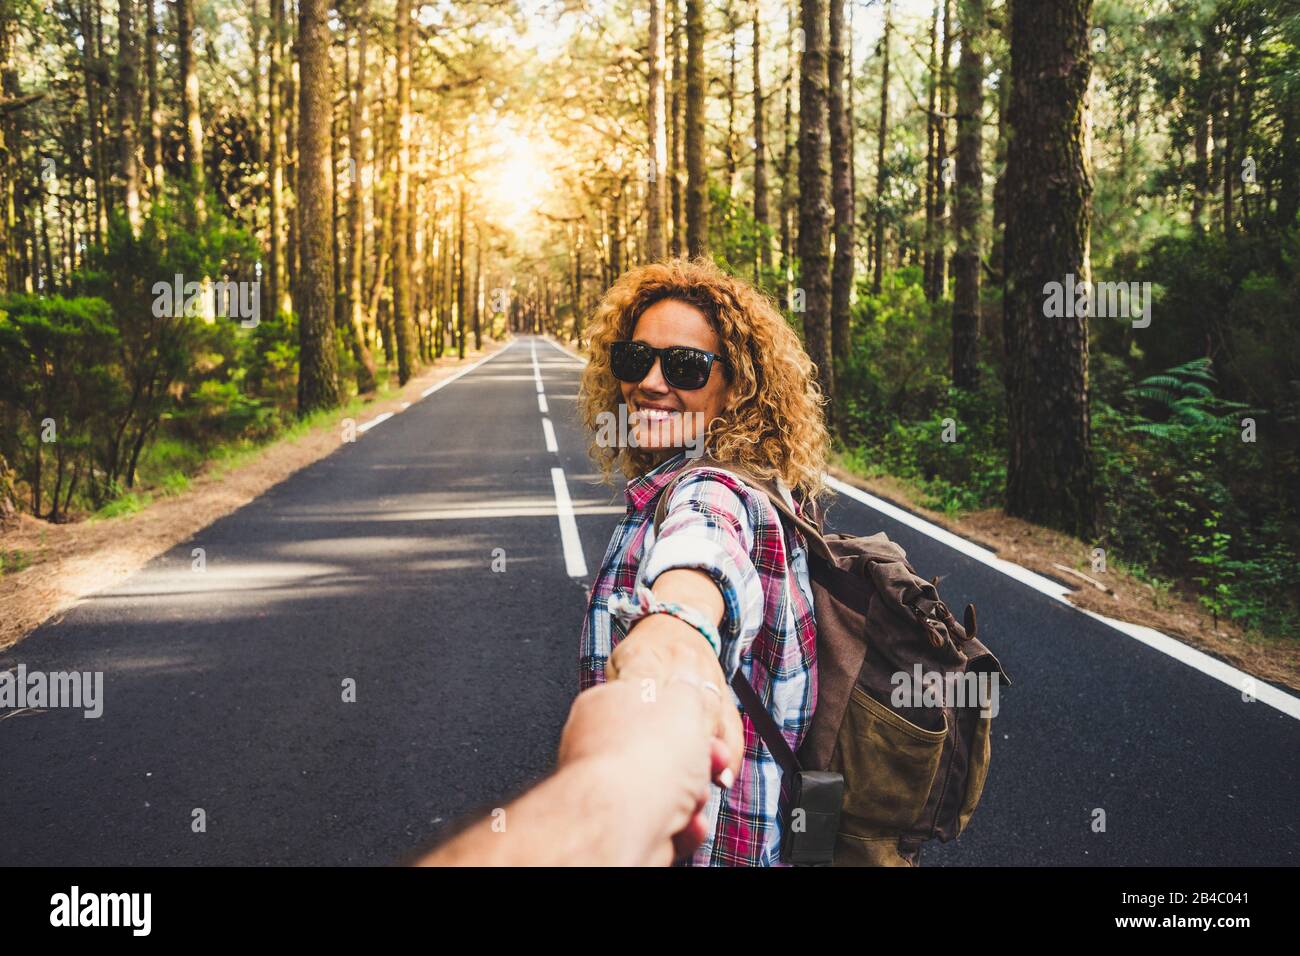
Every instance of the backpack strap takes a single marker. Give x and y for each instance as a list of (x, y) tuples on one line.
[(758, 714), (766, 726)]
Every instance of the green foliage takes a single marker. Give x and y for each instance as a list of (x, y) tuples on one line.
[(56, 383), (898, 413)]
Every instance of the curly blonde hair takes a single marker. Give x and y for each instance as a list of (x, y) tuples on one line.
[(773, 426)]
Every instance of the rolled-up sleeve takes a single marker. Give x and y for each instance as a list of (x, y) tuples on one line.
[(708, 528)]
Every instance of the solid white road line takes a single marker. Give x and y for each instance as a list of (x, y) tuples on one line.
[(565, 352), (541, 403), (465, 371), (374, 421), (574, 562), (1198, 660), (549, 432)]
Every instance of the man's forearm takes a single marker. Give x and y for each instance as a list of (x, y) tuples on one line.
[(578, 816)]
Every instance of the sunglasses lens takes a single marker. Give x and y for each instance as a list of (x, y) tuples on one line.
[(630, 361), (686, 368)]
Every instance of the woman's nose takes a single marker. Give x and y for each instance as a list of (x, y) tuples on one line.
[(654, 379)]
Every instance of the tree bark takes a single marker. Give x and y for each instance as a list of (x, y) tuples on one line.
[(191, 119), (763, 262), (678, 133), (787, 192), (128, 106), (814, 195), (655, 245), (401, 224), (939, 256), (94, 82), (931, 163), (153, 154), (1049, 472), (697, 212), (356, 227), (841, 185), (970, 190), (275, 160), (879, 239), (317, 359)]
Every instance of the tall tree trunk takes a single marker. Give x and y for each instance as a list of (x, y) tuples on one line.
[(970, 190), (317, 358), (730, 144), (461, 321), (939, 258), (841, 185), (931, 163), (191, 119), (275, 160), (697, 198), (401, 225), (678, 132), (787, 175), (94, 82), (9, 150), (356, 234), (997, 254), (153, 142), (128, 96), (1229, 167), (658, 137), (1049, 472), (814, 196), (478, 290), (763, 262), (879, 238), (1201, 137), (293, 214)]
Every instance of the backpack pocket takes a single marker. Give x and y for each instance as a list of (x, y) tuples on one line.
[(889, 766), (978, 772)]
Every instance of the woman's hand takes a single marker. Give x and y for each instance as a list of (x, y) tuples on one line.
[(660, 649)]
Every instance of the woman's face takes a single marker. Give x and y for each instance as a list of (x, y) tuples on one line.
[(664, 418)]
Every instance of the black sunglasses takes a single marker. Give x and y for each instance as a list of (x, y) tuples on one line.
[(683, 367)]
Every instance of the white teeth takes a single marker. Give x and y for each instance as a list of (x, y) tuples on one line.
[(655, 414)]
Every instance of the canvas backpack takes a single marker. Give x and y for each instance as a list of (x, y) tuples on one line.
[(879, 772)]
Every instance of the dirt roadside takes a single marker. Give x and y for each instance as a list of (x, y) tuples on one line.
[(71, 561)]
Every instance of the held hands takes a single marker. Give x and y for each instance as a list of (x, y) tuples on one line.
[(651, 744), (663, 650)]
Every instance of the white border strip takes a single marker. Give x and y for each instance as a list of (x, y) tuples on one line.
[(361, 429), (465, 371), (574, 563), (1172, 647), (564, 351)]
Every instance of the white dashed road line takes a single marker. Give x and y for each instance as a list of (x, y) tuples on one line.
[(574, 562)]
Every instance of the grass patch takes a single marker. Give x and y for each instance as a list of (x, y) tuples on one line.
[(11, 562), (127, 504)]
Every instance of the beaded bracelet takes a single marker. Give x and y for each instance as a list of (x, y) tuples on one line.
[(630, 607)]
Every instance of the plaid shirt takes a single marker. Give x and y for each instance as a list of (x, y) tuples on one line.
[(717, 524)]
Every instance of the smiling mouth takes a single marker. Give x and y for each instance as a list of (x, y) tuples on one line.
[(651, 415)]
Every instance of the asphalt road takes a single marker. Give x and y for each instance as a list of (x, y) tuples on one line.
[(380, 565)]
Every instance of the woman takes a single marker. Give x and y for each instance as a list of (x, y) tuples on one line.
[(703, 361)]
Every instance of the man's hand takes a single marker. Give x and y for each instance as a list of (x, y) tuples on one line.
[(661, 647), (651, 743)]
